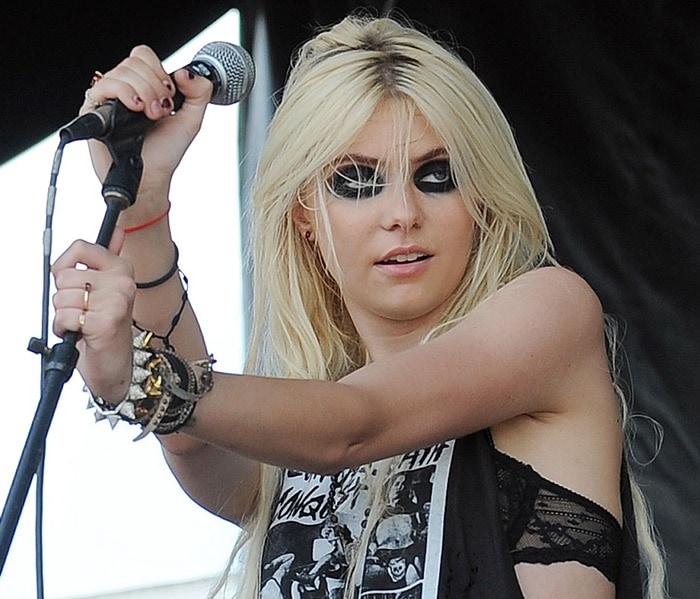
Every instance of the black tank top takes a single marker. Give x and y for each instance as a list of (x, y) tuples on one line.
[(466, 514), (499, 511), (547, 523)]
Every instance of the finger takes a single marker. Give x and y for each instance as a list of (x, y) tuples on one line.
[(137, 92), (148, 57), (139, 82), (69, 319), (96, 310), (73, 298), (86, 253), (118, 84), (80, 253), (153, 83)]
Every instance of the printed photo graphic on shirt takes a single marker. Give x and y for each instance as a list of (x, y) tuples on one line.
[(304, 556), (403, 558), (305, 552)]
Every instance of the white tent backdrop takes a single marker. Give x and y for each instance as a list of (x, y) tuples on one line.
[(114, 516)]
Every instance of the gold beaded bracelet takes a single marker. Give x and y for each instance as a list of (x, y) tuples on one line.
[(163, 393)]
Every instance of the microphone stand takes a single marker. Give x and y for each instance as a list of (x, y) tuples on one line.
[(119, 192)]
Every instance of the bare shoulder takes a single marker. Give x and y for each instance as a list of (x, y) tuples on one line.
[(546, 331), (575, 408), (533, 352), (559, 283), (555, 294)]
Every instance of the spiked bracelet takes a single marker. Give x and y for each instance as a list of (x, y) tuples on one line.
[(163, 393)]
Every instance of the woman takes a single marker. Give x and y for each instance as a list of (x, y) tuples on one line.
[(410, 324)]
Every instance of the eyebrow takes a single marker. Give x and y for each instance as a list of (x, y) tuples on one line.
[(438, 152)]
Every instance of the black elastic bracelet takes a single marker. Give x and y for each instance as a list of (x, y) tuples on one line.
[(176, 319), (167, 276)]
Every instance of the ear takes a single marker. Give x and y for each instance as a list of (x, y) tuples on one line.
[(302, 220)]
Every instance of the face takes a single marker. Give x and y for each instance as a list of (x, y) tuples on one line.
[(396, 568), (400, 231)]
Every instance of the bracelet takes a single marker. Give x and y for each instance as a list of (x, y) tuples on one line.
[(148, 223), (165, 338), (163, 392), (162, 279)]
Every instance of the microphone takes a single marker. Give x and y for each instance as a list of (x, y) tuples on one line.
[(229, 67)]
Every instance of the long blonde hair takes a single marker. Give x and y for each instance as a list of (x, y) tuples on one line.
[(301, 328)]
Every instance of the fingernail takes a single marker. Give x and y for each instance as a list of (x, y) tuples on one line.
[(166, 104), (137, 100), (159, 105), (167, 84)]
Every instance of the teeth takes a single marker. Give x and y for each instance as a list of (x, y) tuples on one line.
[(406, 258)]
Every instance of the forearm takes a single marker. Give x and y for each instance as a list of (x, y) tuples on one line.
[(314, 426), (153, 254), (219, 480), (164, 308)]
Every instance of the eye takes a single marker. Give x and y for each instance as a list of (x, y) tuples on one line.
[(435, 177), (355, 181)]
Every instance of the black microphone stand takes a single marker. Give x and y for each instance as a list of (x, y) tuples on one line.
[(119, 192)]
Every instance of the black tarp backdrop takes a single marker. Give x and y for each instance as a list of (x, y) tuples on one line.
[(603, 97)]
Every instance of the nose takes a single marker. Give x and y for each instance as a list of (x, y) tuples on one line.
[(402, 207)]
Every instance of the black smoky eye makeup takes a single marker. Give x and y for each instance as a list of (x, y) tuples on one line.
[(435, 177), (355, 181)]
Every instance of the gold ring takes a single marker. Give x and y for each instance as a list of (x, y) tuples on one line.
[(86, 296), (90, 101), (81, 322)]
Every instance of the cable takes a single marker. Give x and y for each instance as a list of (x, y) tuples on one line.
[(46, 291)]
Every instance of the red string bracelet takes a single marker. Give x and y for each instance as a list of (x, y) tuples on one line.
[(148, 223)]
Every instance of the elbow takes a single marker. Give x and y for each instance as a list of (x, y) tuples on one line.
[(355, 441), (360, 435), (181, 446), (350, 454), (350, 434)]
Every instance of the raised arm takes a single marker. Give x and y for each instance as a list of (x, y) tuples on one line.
[(220, 480), (535, 348), (530, 357)]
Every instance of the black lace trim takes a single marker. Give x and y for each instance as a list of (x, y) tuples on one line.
[(546, 523)]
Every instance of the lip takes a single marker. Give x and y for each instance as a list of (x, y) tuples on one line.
[(404, 269), (404, 251)]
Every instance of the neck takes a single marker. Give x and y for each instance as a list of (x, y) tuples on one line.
[(382, 337)]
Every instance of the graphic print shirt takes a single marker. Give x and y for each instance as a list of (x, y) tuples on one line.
[(305, 553), (442, 536)]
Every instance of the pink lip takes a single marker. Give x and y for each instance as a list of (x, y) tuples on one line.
[(403, 251), (402, 270)]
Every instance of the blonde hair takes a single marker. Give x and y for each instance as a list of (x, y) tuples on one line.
[(301, 327), (337, 83)]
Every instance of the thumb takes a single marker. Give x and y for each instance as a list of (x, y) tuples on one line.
[(117, 241), (196, 89)]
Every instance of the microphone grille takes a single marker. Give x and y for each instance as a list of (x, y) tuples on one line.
[(234, 71)]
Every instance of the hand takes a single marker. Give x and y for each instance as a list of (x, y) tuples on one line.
[(142, 85), (94, 296)]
